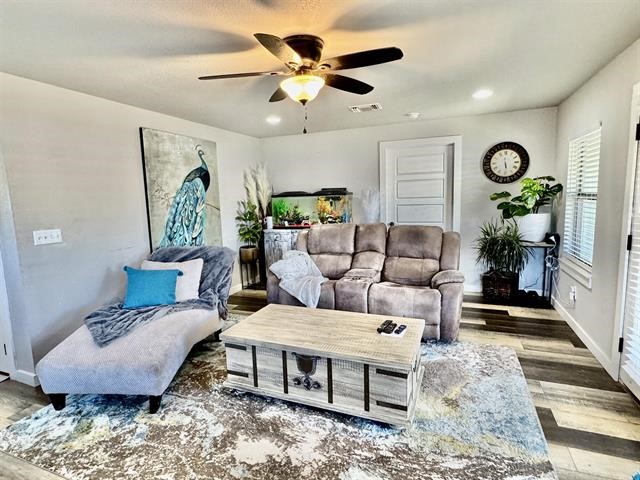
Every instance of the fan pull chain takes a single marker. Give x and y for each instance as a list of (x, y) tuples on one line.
[(304, 130)]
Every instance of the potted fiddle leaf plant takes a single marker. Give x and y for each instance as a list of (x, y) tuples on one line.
[(249, 230), (535, 194), (500, 249)]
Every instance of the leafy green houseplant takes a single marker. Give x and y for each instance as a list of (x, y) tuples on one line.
[(535, 193), (249, 230), (500, 249), (279, 209)]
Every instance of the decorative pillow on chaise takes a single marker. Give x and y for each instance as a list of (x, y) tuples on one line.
[(188, 284), (146, 288)]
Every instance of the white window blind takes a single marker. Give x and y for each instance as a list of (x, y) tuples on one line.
[(582, 198)]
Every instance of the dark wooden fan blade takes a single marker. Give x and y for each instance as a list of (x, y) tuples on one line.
[(279, 48), (278, 95), (362, 59), (347, 84), (239, 75)]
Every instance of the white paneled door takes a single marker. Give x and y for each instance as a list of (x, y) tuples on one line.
[(417, 182), (630, 361)]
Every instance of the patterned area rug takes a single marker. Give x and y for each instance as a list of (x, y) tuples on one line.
[(474, 420)]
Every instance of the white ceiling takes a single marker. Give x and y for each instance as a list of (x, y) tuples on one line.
[(149, 53)]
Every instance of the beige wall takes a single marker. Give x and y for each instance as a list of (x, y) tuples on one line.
[(349, 158), (73, 162), (606, 99)]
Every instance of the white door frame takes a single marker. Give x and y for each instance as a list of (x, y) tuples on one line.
[(627, 213), (5, 323), (453, 140), (6, 332)]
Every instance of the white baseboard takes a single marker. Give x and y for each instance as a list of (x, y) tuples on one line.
[(472, 288), (609, 365), (28, 378), (235, 288)]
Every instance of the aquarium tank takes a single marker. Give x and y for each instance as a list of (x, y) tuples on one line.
[(303, 209)]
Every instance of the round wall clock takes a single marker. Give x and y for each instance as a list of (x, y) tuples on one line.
[(505, 162)]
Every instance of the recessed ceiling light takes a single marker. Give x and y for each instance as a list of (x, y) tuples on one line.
[(273, 120), (482, 94), (413, 115)]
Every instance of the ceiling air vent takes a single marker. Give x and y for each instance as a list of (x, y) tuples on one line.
[(367, 107)]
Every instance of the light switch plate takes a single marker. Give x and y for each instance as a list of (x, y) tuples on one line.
[(43, 237)]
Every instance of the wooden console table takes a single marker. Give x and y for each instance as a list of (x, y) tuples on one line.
[(328, 359)]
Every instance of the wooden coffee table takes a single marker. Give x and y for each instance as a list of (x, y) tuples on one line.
[(328, 359)]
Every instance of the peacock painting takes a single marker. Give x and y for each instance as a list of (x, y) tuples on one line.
[(182, 190)]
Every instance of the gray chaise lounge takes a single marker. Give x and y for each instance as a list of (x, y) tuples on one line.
[(407, 271), (143, 362)]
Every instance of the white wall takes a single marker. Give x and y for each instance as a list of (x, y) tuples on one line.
[(604, 98), (349, 158), (73, 162)]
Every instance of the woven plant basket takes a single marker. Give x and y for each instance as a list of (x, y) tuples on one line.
[(499, 286)]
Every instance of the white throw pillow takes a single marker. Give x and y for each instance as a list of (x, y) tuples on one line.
[(188, 284)]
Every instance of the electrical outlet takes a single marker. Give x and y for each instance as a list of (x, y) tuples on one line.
[(43, 237), (572, 293)]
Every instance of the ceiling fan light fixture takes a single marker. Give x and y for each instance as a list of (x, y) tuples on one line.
[(302, 88)]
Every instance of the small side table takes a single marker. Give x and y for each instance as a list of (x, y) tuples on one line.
[(546, 247), (249, 273)]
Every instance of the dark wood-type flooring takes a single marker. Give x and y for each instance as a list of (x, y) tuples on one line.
[(592, 424)]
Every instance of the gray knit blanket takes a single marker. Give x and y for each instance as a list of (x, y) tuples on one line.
[(111, 322)]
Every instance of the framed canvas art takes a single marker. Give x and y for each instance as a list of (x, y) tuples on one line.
[(181, 185)]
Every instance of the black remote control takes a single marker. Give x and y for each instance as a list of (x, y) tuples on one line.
[(400, 329), (384, 325), (390, 328)]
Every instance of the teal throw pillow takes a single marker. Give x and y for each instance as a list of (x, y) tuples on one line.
[(146, 288)]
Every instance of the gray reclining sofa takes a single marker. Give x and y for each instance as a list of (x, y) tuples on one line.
[(407, 271)]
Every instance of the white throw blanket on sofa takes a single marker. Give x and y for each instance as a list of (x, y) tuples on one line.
[(299, 277)]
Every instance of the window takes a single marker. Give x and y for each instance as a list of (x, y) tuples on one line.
[(582, 198)]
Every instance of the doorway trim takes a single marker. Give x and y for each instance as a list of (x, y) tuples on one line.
[(627, 214), (5, 323), (454, 141), (6, 326)]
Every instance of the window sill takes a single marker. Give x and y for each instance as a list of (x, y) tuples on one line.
[(575, 271)]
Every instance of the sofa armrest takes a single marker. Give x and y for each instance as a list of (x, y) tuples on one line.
[(273, 285), (363, 274), (447, 276)]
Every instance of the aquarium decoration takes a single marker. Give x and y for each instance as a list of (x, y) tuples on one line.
[(303, 209)]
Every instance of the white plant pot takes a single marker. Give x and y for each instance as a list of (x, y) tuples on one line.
[(535, 226)]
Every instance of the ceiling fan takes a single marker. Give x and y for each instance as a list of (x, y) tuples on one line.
[(307, 73)]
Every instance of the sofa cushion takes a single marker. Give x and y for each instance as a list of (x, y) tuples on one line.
[(414, 241), (352, 292), (142, 362), (413, 254), (372, 260), (339, 239), (444, 277), (301, 241), (388, 298), (332, 266), (371, 237), (450, 256), (327, 298), (369, 273), (410, 271)]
